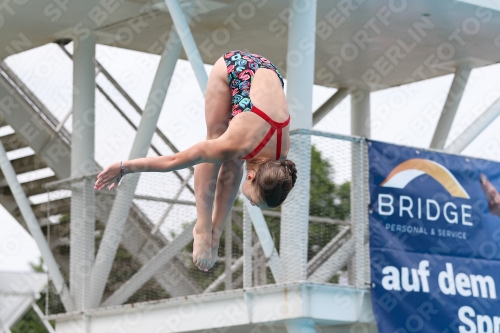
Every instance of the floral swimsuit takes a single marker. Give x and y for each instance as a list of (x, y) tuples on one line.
[(241, 67)]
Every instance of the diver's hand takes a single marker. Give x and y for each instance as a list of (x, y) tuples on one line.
[(492, 195), (110, 176)]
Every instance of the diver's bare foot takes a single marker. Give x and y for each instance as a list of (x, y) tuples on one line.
[(215, 249), (202, 248), (492, 195)]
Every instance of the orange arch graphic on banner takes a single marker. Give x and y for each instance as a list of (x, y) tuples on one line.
[(405, 172)]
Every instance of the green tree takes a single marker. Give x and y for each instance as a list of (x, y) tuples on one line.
[(327, 199)]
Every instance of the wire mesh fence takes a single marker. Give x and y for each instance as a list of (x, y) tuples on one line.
[(157, 201), (147, 250)]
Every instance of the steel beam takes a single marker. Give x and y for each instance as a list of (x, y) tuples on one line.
[(300, 81), (143, 246), (32, 122), (266, 240), (330, 104), (247, 246), (34, 229), (360, 126), (300, 326), (157, 131), (328, 251), (132, 103), (316, 219), (451, 106), (63, 120), (338, 259), (228, 255), (40, 314), (149, 269), (360, 113), (142, 142), (259, 268), (188, 43), (5, 328), (476, 128), (35, 105), (359, 211), (23, 113), (82, 163), (335, 263)]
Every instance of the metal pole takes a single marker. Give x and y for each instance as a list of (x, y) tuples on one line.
[(450, 107), (228, 246), (160, 134), (360, 126), (63, 120), (359, 212), (82, 141), (300, 78), (330, 104), (188, 43), (82, 163), (5, 328), (142, 142), (129, 99), (247, 249), (34, 229), (266, 241), (42, 318), (360, 113), (478, 126)]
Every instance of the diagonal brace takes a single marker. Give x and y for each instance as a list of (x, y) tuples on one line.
[(188, 43), (124, 197), (34, 228), (149, 269), (265, 239)]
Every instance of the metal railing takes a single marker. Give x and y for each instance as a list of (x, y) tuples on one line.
[(337, 221), (337, 233)]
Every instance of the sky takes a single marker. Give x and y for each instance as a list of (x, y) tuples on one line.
[(403, 115)]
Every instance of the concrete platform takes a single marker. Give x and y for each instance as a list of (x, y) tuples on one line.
[(331, 308)]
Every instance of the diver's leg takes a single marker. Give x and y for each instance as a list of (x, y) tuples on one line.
[(217, 111), (228, 184)]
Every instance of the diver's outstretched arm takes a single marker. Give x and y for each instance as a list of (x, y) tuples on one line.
[(210, 151)]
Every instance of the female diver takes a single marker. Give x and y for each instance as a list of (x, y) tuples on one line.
[(247, 120)]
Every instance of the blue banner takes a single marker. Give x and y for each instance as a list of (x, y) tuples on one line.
[(434, 241)]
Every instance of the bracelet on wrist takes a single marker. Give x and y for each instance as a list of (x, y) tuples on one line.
[(122, 168), (122, 173)]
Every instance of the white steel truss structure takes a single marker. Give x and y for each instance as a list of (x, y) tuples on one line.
[(298, 294)]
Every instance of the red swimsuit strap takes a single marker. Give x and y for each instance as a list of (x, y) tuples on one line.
[(271, 122), (274, 126)]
